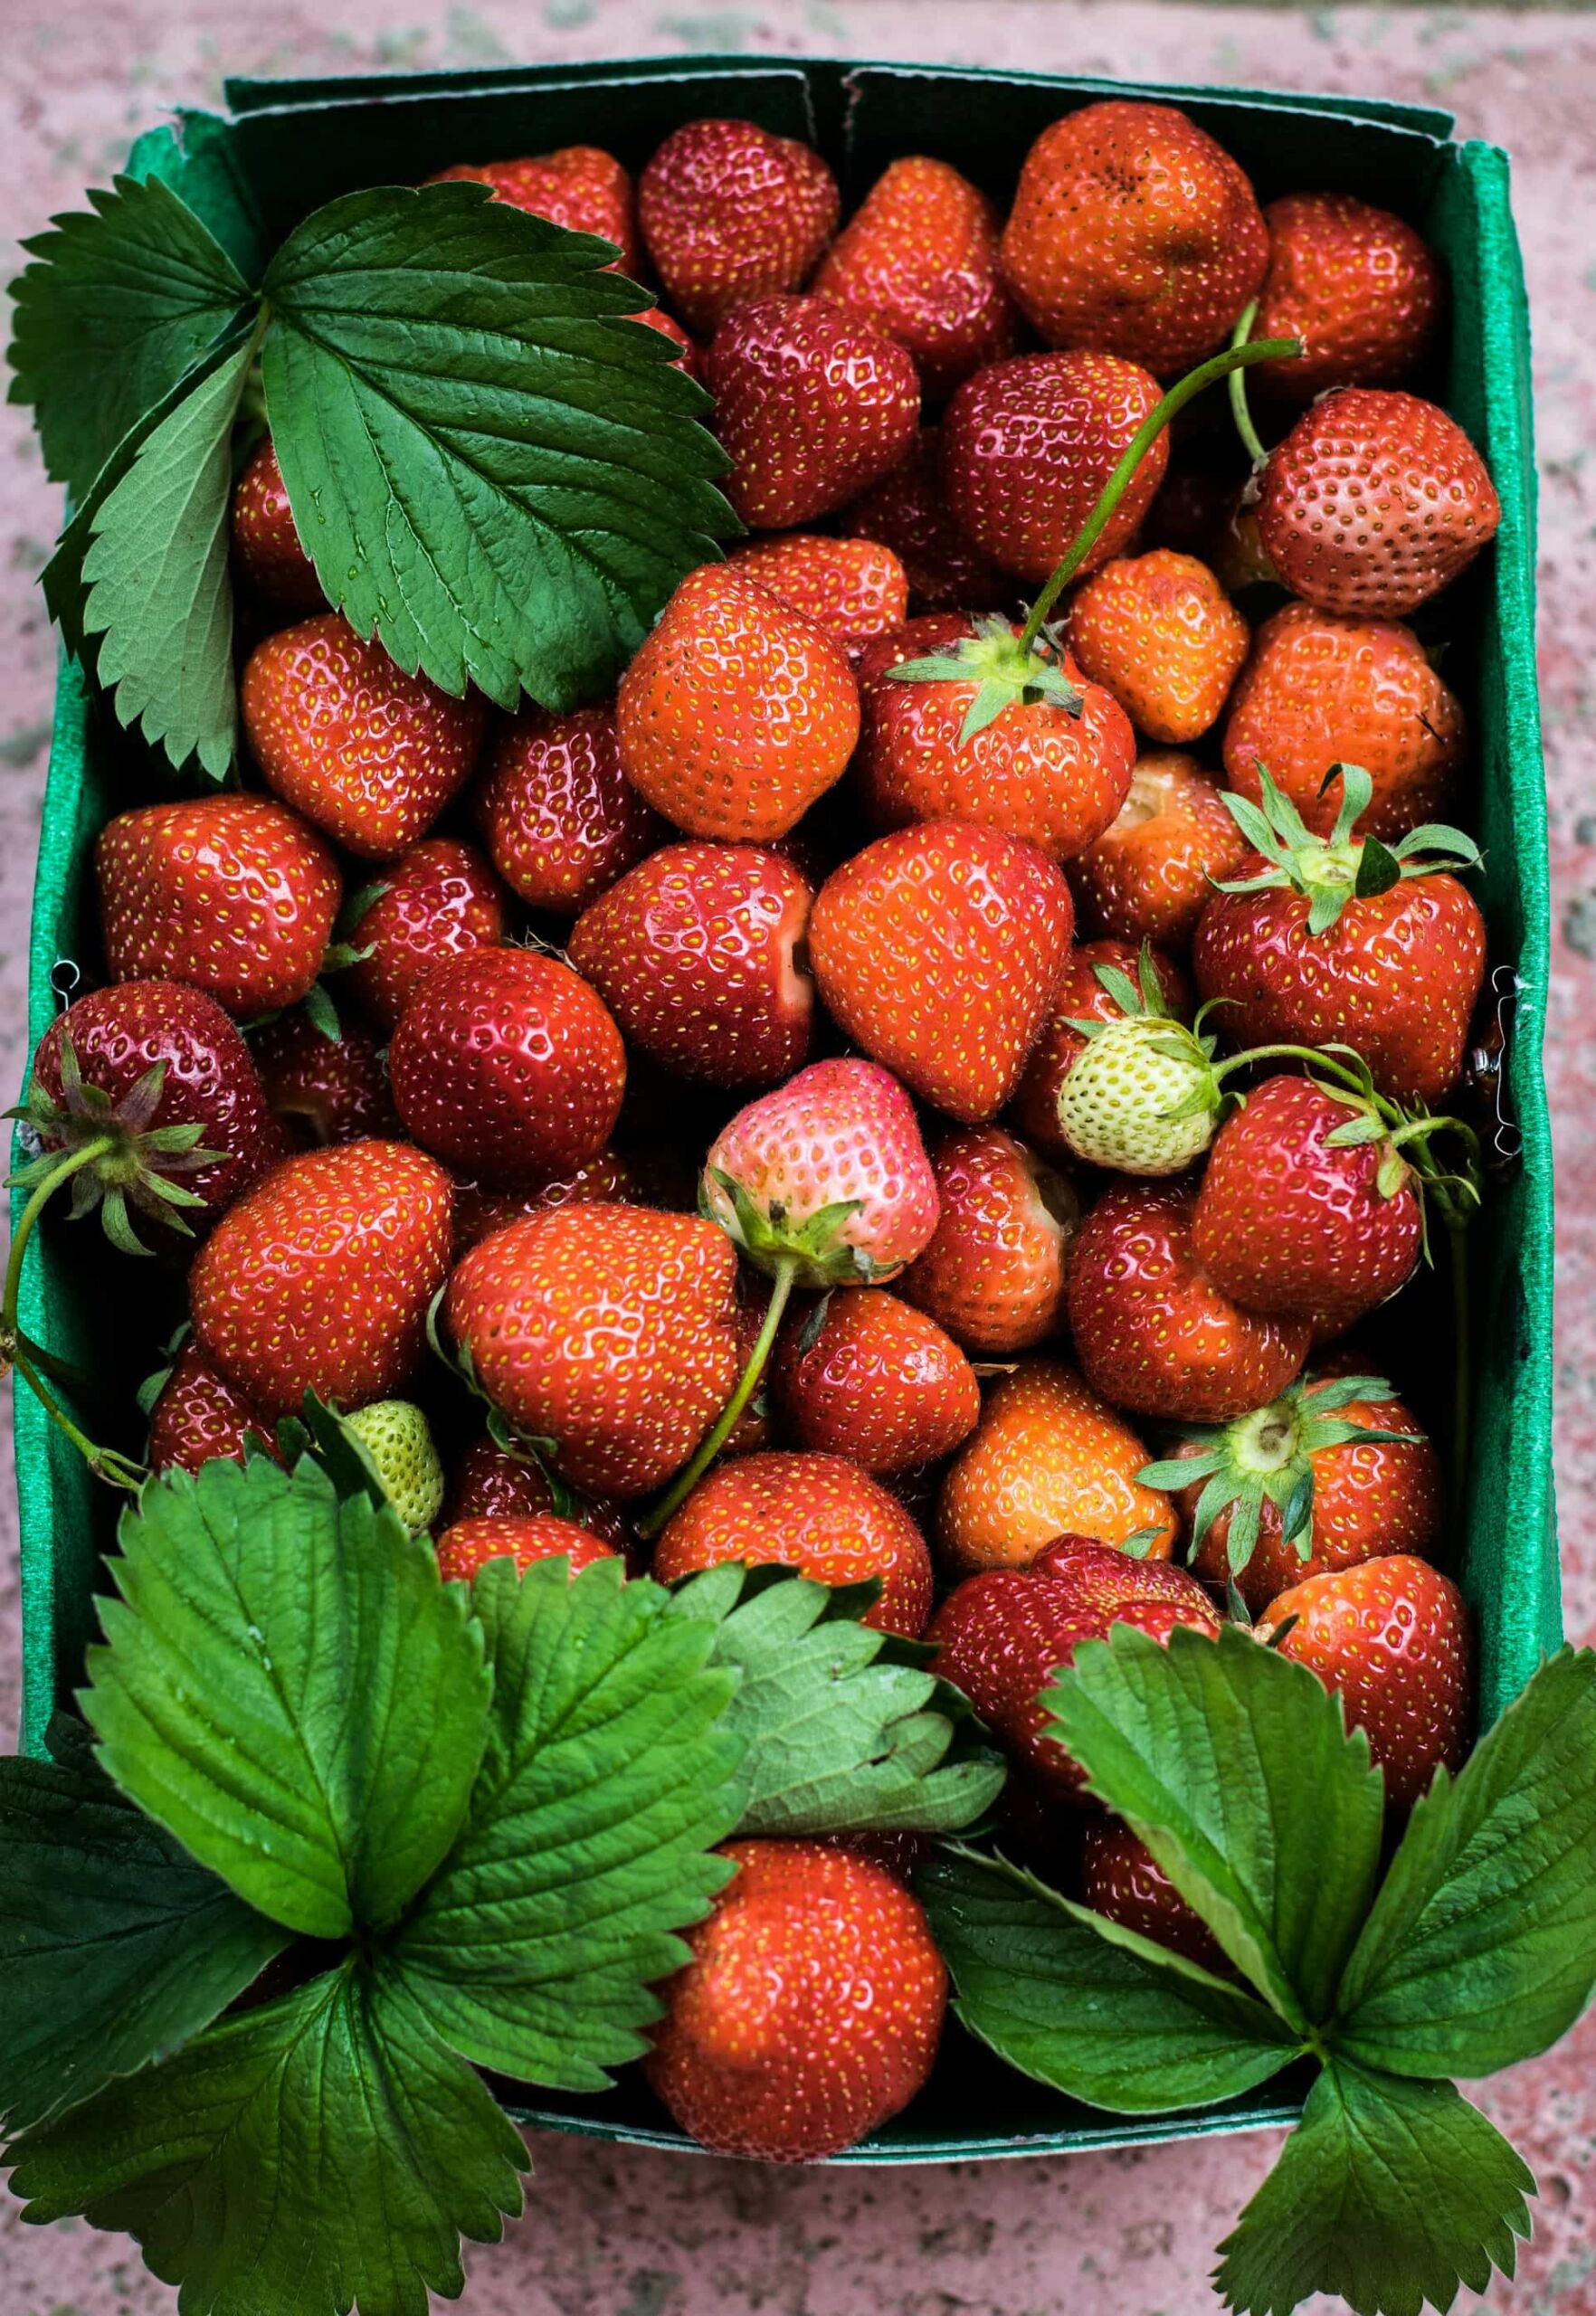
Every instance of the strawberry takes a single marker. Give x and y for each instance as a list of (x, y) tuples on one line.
[(1319, 690), (396, 1442), (817, 1514), (609, 1330), (1143, 1095), (937, 950), (196, 1415), (853, 588), (580, 188), (1356, 285), (1160, 633), (1374, 503), (993, 1272), (868, 1376), (364, 751), (907, 512), (1047, 1458), (559, 816), (695, 952), (812, 406), (686, 355), (1080, 995), (267, 555), (811, 2009), (320, 1278), (930, 633), (1151, 872), (1105, 1578), (492, 1482), (1028, 445), (232, 894), (324, 1089), (1392, 1637), (1151, 1333), (1121, 1878), (439, 899), (729, 211), (467, 1545), (605, 1180), (508, 1063), (919, 260), (1133, 232), (737, 713)]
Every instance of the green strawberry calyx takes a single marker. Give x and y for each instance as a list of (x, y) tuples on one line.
[(1005, 671), (112, 1152), (1331, 871)]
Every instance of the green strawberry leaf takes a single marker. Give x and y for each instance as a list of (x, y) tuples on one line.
[(1235, 1767), (542, 474), (1481, 1947), (608, 1775), (1388, 2194), (196, 155), (1071, 2000), (321, 2151), (289, 1690), (844, 1727)]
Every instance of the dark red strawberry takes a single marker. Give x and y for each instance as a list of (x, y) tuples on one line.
[(324, 1089), (580, 187), (607, 1180), (267, 555), (196, 1415), (865, 1375), (439, 899), (728, 211), (1121, 1878), (490, 1483), (993, 1272), (560, 817), (907, 512)]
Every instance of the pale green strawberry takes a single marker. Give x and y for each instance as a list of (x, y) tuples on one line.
[(1143, 1096), (394, 1435)]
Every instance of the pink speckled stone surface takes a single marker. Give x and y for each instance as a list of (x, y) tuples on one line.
[(611, 2233)]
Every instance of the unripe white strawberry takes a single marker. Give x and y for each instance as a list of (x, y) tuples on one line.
[(399, 1447), (1143, 1096)]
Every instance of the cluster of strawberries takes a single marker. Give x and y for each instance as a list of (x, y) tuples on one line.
[(989, 1204)]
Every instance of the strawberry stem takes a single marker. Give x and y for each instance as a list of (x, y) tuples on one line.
[(1238, 393), (714, 1440)]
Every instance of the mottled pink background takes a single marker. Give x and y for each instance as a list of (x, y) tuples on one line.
[(613, 2233)]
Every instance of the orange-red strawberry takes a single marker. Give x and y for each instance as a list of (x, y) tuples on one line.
[(611, 1331), (1133, 232), (320, 1278), (728, 212), (196, 1415), (1162, 634), (853, 588), (1374, 503), (1391, 1636), (439, 899), (232, 894), (737, 713), (1028, 445), (812, 406), (919, 259), (324, 1089), (868, 1376), (560, 817), (907, 512), (1356, 285), (1151, 873), (809, 2011), (267, 555), (993, 1273), (467, 1545), (1080, 995), (937, 949), (1320, 689), (606, 1180), (580, 187), (695, 952), (1122, 1879), (507, 1063), (490, 1483)]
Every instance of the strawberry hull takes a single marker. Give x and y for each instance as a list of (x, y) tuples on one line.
[(289, 146)]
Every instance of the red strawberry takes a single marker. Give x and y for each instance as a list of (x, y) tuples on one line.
[(1028, 445), (1374, 503), (811, 2009), (561, 819), (912, 639), (1151, 873), (938, 949), (490, 1483), (606, 1180), (1080, 995), (869, 1377), (320, 1278), (1356, 285), (853, 588), (368, 753), (439, 899), (919, 260), (728, 212), (1121, 1878), (266, 552), (907, 512), (993, 1273), (580, 188), (687, 356), (197, 1415), (1103, 1578), (611, 1331), (325, 1090), (737, 713), (1160, 633), (232, 894), (695, 952), (1391, 1636), (812, 406), (467, 1545), (1135, 233), (507, 1063)]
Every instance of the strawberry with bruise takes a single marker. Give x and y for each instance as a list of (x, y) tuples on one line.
[(1122, 1880), (728, 212), (865, 1375), (467, 1545), (1152, 871), (560, 817), (579, 186), (993, 1272), (196, 1415), (1079, 994), (439, 899), (1161, 633), (324, 1089), (1356, 285), (607, 1179), (907, 512), (854, 588), (267, 555)]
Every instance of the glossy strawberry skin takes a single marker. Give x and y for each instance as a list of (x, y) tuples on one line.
[(324, 1089), (439, 899), (561, 820), (506, 1062), (694, 952), (1102, 1579), (809, 2011), (875, 1380), (993, 1272), (235, 895), (854, 588), (320, 1277), (267, 555), (490, 1484), (1080, 995), (467, 1545), (198, 1415), (579, 186), (1160, 632), (1356, 285), (1151, 873), (907, 512), (607, 1179), (729, 211), (1121, 1878)]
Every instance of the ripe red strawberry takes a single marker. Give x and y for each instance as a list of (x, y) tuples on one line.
[(1374, 503), (919, 260), (560, 817), (1393, 1638), (695, 952), (1105, 1578), (1028, 445), (1151, 1331), (737, 713), (232, 894), (812, 406), (439, 899), (196, 1415), (1080, 995), (467, 1545), (490, 1483), (506, 1063), (606, 1180), (1160, 633), (907, 512), (1356, 285), (611, 1331), (686, 355), (817, 1514), (368, 753), (320, 1278), (867, 1376), (937, 949), (1319, 690), (728, 212), (853, 588), (811, 2009), (1151, 873), (1121, 1878), (324, 1089), (580, 187), (267, 555), (993, 1273)]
